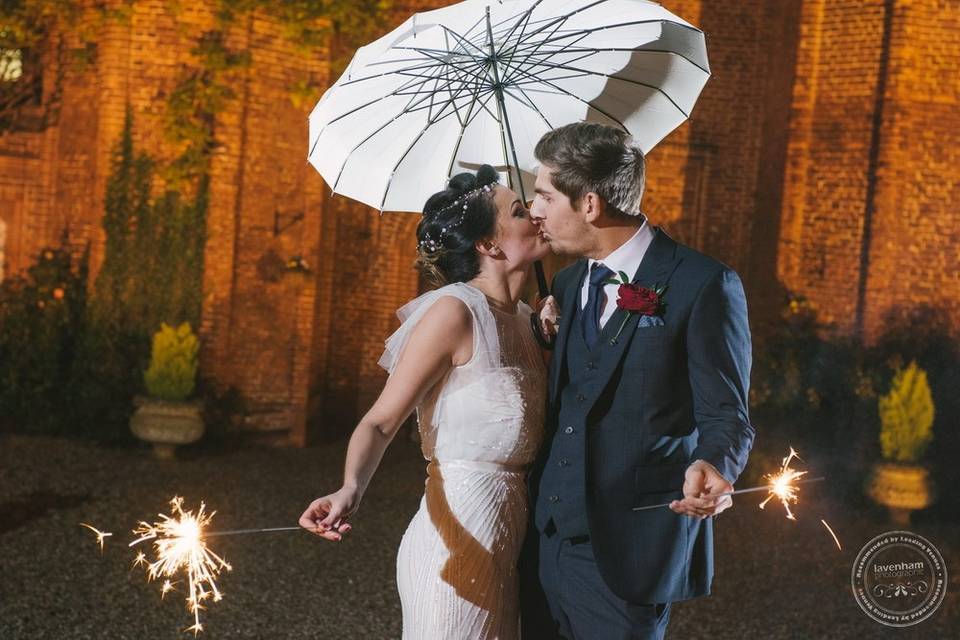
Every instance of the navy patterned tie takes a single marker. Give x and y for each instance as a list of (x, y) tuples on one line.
[(590, 318)]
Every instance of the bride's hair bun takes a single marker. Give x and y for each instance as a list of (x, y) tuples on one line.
[(454, 220)]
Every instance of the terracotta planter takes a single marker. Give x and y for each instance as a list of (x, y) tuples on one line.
[(902, 488), (166, 424)]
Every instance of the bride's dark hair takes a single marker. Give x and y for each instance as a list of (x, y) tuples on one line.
[(454, 220)]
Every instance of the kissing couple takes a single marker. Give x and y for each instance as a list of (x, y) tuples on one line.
[(527, 526)]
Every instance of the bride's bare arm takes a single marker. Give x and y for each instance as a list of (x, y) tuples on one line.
[(442, 339)]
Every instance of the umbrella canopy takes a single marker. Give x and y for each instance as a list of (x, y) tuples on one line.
[(480, 82)]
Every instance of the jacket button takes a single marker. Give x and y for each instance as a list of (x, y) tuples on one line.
[(564, 463), (554, 498), (591, 366), (581, 397), (568, 430)]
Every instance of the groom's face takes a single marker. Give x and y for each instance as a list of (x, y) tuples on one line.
[(562, 225)]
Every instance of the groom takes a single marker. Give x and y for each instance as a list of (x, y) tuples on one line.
[(648, 402)]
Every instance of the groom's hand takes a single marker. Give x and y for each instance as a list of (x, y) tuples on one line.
[(701, 485)]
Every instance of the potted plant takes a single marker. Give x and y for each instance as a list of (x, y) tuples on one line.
[(166, 418), (906, 429)]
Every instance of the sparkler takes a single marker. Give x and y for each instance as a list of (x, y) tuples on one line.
[(179, 546), (766, 487), (178, 540), (782, 485), (101, 535)]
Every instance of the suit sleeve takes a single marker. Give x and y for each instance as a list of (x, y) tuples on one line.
[(719, 357)]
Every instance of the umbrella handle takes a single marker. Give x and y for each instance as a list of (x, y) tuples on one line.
[(543, 341), (541, 280)]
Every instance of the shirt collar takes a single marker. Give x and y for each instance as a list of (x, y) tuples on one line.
[(627, 257)]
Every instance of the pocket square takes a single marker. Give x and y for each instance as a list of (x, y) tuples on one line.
[(650, 321)]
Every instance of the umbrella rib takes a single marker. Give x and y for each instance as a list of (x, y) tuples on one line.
[(526, 62), (395, 92), (464, 40), (626, 49), (471, 116), (548, 22), (430, 122), (463, 128), (464, 78), (588, 30), (559, 19), (402, 90), (373, 133), (592, 106), (536, 44), (615, 77), (531, 104), (403, 156), (460, 66), (525, 20), (470, 119), (402, 71)]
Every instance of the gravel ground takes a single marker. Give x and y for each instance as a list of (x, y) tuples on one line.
[(775, 578)]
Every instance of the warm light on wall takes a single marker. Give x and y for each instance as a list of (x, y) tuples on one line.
[(11, 65)]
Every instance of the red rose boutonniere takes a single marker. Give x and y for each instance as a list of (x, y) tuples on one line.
[(636, 299)]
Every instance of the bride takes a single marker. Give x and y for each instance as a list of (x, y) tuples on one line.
[(465, 358)]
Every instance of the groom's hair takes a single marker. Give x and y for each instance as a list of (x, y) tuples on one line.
[(587, 156)]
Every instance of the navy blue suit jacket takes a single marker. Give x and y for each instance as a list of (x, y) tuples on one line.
[(668, 395)]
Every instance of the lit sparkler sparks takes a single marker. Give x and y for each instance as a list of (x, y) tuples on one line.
[(179, 546), (782, 484), (101, 535)]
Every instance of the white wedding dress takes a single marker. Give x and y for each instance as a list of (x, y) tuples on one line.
[(480, 427)]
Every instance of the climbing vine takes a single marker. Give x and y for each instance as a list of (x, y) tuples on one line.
[(152, 268), (51, 37)]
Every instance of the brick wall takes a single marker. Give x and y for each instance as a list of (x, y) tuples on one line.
[(914, 253), (819, 116), (869, 225)]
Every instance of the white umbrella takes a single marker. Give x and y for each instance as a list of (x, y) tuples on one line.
[(481, 81)]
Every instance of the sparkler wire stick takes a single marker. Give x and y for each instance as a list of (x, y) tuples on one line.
[(237, 532), (731, 493)]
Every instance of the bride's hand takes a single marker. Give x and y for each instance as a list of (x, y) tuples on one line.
[(327, 516), (549, 316)]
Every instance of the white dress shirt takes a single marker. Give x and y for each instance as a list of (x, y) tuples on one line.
[(624, 258)]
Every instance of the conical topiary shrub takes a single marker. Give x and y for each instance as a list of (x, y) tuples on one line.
[(172, 374), (166, 419), (906, 416), (906, 430)]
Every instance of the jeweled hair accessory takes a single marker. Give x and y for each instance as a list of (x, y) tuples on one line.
[(463, 202)]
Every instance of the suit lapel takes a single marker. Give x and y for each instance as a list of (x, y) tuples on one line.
[(658, 264), (571, 297)]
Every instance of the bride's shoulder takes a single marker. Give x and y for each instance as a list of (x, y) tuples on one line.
[(470, 296), (455, 302)]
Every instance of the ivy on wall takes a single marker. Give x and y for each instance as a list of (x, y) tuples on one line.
[(45, 39), (153, 256)]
